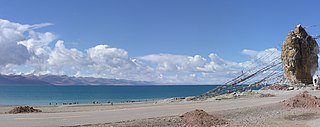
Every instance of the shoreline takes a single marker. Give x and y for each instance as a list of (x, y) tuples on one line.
[(102, 94), (81, 107), (148, 113), (93, 103), (132, 104)]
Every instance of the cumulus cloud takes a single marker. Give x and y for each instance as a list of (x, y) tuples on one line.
[(182, 68), (109, 62), (171, 62), (24, 50), (37, 43), (62, 60), (12, 52), (210, 69), (105, 55), (265, 56)]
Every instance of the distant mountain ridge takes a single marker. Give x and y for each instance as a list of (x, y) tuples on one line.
[(64, 80)]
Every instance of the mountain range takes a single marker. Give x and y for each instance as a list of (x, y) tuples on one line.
[(64, 80)]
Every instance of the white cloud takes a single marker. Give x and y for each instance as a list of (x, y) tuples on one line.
[(198, 69), (265, 56), (66, 61), (11, 52), (23, 47), (171, 62), (114, 63), (19, 43), (41, 25), (37, 43), (102, 54), (99, 61)]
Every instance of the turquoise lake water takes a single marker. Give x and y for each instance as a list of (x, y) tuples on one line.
[(43, 95)]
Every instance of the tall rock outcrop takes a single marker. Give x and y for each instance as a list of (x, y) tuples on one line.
[(299, 56)]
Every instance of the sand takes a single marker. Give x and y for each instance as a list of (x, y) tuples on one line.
[(241, 111), (83, 107), (271, 115)]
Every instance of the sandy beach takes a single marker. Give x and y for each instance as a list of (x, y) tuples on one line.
[(83, 107), (159, 63), (245, 110)]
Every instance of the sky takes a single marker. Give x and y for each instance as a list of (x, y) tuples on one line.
[(176, 41)]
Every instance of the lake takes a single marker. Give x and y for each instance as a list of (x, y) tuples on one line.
[(44, 95)]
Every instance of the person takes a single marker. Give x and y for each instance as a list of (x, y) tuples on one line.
[(316, 81)]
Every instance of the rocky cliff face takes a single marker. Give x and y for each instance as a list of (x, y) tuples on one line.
[(299, 56)]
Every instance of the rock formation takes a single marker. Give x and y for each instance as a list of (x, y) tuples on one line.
[(302, 100), (23, 109), (200, 118), (299, 56)]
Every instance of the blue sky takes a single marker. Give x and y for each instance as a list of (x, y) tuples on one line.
[(180, 27), (167, 26)]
